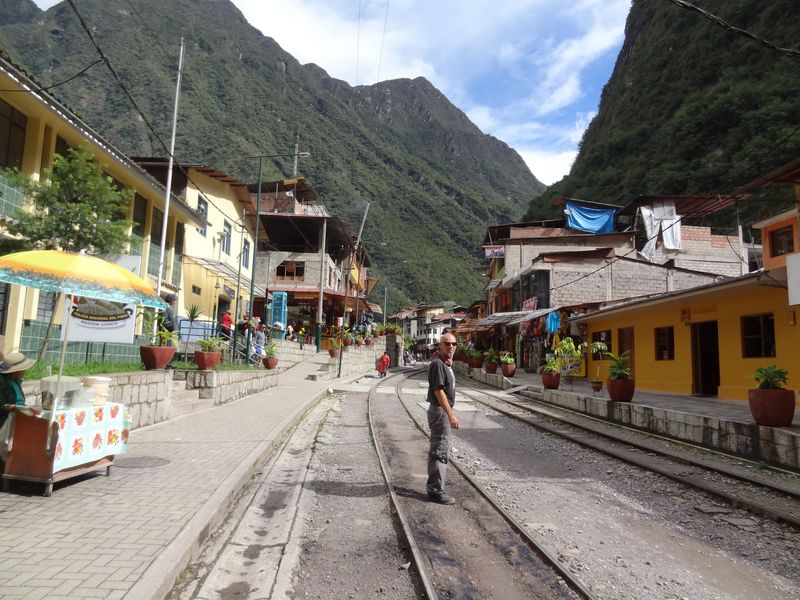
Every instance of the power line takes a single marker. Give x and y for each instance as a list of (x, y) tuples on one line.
[(383, 38), (50, 87), (743, 32), (136, 107)]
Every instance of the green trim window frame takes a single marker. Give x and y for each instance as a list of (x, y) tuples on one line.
[(12, 136), (139, 215), (758, 336), (781, 241), (665, 343)]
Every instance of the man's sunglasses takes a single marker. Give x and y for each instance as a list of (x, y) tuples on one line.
[(450, 343)]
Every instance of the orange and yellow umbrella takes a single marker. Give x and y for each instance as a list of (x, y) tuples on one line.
[(77, 274)]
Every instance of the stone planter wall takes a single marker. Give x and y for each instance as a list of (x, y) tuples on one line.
[(356, 360), (493, 379), (289, 354), (147, 394), (225, 386)]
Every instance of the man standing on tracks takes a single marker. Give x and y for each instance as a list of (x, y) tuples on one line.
[(441, 418)]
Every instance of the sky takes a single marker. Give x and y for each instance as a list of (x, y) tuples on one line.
[(529, 72)]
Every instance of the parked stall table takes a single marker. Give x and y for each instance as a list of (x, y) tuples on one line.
[(84, 439)]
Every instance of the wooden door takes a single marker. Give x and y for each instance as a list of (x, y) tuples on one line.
[(625, 337)]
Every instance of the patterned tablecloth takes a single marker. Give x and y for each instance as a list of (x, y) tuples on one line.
[(90, 433)]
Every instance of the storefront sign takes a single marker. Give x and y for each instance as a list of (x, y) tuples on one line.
[(92, 320)]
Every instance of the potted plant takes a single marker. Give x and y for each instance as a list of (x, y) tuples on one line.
[(620, 385), (598, 348), (210, 353), (551, 373), (368, 338), (333, 350), (192, 315), (475, 359), (569, 354), (271, 354), (508, 366), (359, 340), (490, 365), (347, 336), (161, 352), (771, 404)]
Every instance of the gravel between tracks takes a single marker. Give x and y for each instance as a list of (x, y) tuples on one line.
[(626, 532), (350, 548)]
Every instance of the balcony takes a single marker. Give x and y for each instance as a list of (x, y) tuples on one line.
[(11, 199)]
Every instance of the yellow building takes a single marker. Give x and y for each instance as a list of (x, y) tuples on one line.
[(34, 126), (710, 340)]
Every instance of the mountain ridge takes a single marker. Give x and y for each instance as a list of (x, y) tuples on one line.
[(435, 180)]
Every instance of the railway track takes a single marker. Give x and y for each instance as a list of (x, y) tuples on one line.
[(469, 550), (772, 495)]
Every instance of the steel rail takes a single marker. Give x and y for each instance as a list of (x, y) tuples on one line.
[(416, 553), (520, 529), (732, 498)]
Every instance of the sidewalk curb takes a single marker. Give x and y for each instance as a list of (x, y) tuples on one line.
[(160, 577)]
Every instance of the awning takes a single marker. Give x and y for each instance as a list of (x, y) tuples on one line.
[(502, 318), (230, 274), (375, 308), (532, 314), (492, 284), (470, 326)]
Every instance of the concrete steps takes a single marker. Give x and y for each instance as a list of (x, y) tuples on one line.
[(185, 402)]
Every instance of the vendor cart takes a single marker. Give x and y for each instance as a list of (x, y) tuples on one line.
[(83, 439)]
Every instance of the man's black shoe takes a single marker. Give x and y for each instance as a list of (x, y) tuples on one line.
[(442, 498)]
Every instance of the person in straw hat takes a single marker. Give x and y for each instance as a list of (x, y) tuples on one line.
[(12, 368)]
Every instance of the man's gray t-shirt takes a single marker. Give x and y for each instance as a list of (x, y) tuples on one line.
[(440, 375)]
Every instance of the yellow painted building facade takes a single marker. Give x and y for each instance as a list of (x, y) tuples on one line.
[(680, 339)]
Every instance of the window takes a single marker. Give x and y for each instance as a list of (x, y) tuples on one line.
[(539, 287), (196, 290), (781, 241), (758, 336), (246, 255), (12, 136), (179, 236), (47, 302), (665, 343), (139, 215), (227, 231), (156, 226), (290, 271), (202, 208), (601, 336)]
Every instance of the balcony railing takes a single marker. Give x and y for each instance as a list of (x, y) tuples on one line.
[(11, 199)]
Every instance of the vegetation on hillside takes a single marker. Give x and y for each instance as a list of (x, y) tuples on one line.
[(692, 107), (434, 179)]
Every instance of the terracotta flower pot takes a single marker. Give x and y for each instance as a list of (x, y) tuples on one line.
[(347, 341), (620, 390), (550, 380), (333, 352), (156, 357), (206, 360), (359, 342), (597, 386), (772, 408), (508, 369), (490, 367), (368, 341), (271, 363)]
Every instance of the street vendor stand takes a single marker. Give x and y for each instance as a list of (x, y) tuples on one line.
[(82, 440)]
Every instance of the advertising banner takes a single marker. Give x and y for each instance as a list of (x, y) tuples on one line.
[(92, 320), (495, 251)]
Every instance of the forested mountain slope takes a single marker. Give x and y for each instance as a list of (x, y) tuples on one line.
[(692, 107), (434, 179)]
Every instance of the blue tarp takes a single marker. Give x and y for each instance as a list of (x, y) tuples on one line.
[(553, 322), (593, 220)]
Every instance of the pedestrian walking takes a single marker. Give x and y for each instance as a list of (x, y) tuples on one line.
[(383, 364), (441, 418), (227, 324)]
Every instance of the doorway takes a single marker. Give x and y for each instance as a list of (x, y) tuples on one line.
[(705, 359), (625, 337)]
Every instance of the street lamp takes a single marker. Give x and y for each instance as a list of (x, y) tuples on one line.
[(261, 158)]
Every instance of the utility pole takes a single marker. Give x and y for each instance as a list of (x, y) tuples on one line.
[(347, 279)]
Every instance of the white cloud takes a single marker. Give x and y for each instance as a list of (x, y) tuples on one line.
[(548, 167)]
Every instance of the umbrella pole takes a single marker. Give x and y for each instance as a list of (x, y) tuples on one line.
[(54, 407)]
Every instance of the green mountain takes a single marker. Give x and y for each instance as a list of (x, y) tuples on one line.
[(692, 107), (434, 180)]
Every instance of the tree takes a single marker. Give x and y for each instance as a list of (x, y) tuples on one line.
[(76, 207)]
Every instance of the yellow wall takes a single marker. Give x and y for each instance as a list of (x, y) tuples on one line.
[(725, 306)]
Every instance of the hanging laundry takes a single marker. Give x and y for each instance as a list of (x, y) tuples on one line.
[(553, 322)]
